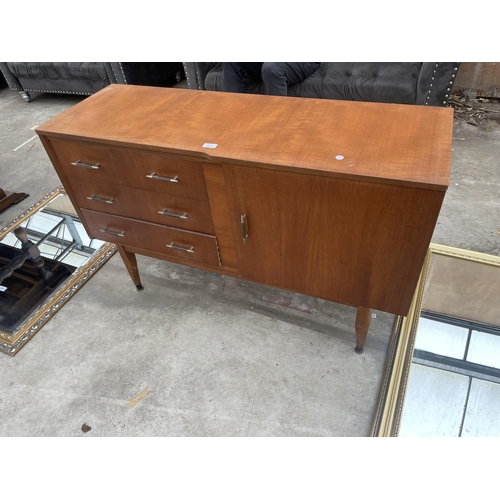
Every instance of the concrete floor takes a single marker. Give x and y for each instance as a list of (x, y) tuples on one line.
[(220, 357)]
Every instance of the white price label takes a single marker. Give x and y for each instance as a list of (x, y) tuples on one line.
[(209, 145)]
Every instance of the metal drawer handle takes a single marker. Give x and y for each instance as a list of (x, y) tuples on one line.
[(80, 164), (107, 231), (160, 178), (173, 246), (100, 200), (172, 214)]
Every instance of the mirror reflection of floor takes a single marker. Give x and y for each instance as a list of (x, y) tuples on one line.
[(454, 383)]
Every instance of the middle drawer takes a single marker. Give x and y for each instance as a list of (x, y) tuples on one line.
[(150, 206)]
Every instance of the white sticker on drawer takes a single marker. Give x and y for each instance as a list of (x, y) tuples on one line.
[(209, 145)]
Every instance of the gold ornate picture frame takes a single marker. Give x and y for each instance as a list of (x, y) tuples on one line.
[(389, 409), (11, 343)]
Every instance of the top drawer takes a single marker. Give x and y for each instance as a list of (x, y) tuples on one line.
[(150, 171)]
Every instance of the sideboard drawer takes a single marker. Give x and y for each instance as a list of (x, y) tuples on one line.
[(151, 171), (184, 213), (185, 245)]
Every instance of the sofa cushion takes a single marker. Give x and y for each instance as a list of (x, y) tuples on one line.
[(213, 79), (94, 71), (380, 82), (372, 81)]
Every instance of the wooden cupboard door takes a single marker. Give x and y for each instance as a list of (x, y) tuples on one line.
[(256, 205), (353, 242)]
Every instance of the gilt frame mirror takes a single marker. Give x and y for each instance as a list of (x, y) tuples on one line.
[(451, 335), (46, 257)]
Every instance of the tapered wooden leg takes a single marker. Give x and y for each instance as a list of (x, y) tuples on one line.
[(362, 325), (130, 262)]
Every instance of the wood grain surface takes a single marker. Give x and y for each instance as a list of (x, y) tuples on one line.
[(153, 237), (131, 168), (354, 242), (395, 143)]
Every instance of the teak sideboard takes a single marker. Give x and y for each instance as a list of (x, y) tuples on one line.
[(333, 199)]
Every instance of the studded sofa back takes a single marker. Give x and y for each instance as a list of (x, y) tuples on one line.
[(84, 78), (425, 83)]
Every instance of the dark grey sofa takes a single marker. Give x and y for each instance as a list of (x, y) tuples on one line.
[(84, 78), (424, 83)]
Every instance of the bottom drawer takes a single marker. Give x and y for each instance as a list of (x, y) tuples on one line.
[(169, 241)]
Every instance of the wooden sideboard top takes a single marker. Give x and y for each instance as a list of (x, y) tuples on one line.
[(392, 143)]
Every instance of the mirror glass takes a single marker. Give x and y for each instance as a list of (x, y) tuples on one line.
[(45, 256), (443, 375)]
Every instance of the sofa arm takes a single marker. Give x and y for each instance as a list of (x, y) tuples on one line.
[(435, 83), (10, 78), (196, 72), (115, 72)]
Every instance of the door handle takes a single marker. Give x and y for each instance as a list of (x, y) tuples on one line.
[(244, 227)]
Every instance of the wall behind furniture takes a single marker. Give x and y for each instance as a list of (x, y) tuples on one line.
[(478, 79)]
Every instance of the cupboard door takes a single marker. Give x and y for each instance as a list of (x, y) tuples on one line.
[(256, 202), (354, 242)]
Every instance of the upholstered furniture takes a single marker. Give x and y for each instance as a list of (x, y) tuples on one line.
[(84, 78), (403, 83), (334, 199)]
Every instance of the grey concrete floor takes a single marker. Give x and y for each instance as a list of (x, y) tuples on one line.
[(219, 356)]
